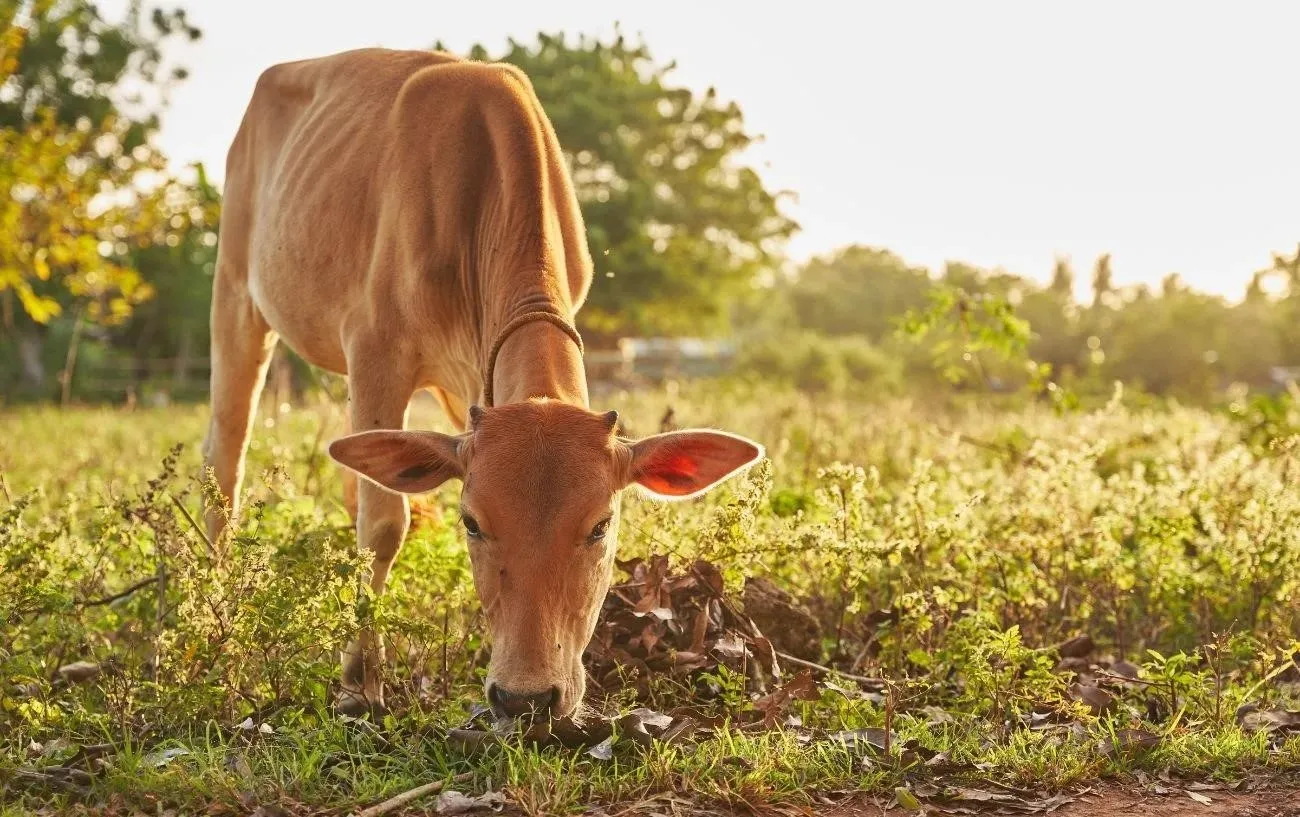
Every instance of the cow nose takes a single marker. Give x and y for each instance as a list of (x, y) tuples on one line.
[(518, 705)]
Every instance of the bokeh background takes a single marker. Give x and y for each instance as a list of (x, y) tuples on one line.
[(1002, 198)]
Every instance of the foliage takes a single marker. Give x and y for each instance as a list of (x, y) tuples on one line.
[(945, 554), (86, 192), (814, 363), (59, 241), (857, 290), (678, 226), (1175, 342), (64, 56)]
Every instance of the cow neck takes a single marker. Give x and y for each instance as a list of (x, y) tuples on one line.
[(537, 353)]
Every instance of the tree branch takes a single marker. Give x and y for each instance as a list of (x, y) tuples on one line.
[(123, 594)]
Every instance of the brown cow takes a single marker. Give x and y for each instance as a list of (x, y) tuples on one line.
[(406, 218)]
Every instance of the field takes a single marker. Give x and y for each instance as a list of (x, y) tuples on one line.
[(946, 608)]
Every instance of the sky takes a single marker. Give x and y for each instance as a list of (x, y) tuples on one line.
[(998, 133)]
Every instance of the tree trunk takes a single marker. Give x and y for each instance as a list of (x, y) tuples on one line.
[(31, 344), (181, 363), (70, 362)]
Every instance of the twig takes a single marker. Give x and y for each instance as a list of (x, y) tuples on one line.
[(123, 594), (4, 487), (1127, 680), (405, 797), (185, 512), (829, 671)]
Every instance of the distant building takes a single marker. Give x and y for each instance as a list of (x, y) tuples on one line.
[(660, 358)]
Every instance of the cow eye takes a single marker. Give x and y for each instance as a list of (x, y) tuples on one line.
[(471, 526), (598, 532)]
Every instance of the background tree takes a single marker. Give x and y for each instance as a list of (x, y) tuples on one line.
[(64, 56), (679, 228), (75, 151), (857, 291)]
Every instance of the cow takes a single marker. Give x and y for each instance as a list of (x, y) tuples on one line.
[(406, 219)]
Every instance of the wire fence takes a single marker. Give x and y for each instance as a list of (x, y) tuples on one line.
[(163, 380)]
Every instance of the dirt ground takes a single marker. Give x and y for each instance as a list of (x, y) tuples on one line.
[(1112, 801)]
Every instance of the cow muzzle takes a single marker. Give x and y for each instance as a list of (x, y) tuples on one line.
[(527, 706)]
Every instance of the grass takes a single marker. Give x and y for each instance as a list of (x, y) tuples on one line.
[(946, 552)]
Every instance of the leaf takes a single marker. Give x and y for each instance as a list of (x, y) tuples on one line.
[(1126, 741), (800, 687), (631, 727), (906, 799), (730, 647), (453, 802), (1097, 699), (871, 737), (1252, 719), (1126, 669), (1200, 798), (160, 759), (603, 750), (1077, 647), (649, 717), (79, 671)]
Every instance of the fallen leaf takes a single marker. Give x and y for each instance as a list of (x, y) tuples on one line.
[(1200, 798), (1126, 669), (857, 738), (1253, 719), (1097, 699), (1129, 740), (801, 687), (649, 717), (159, 759), (453, 802), (906, 799), (1077, 647), (79, 671), (603, 750)]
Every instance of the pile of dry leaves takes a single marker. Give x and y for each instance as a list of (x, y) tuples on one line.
[(681, 626)]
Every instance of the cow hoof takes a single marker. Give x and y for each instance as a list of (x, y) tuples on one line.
[(358, 705)]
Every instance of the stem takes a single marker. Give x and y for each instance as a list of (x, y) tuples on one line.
[(407, 796), (862, 679), (193, 524)]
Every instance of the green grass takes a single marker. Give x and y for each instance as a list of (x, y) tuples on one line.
[(978, 538)]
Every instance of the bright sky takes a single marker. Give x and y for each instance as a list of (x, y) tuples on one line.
[(999, 133)]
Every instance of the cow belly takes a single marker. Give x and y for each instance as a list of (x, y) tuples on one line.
[(300, 312)]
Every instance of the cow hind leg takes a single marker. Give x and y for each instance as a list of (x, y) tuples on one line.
[(379, 399), (455, 409), (242, 344), (349, 483)]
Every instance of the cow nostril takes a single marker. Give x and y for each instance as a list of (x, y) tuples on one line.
[(516, 705)]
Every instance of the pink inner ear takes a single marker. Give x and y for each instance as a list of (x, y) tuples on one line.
[(670, 472)]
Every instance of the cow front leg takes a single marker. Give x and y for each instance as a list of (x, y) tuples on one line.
[(242, 344), (378, 400)]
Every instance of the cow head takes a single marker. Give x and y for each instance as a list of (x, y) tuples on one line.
[(539, 502)]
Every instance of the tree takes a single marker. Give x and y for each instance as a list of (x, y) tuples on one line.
[(678, 227), (1103, 281), (173, 324), (59, 246), (1062, 278), (75, 147), (63, 56), (857, 290)]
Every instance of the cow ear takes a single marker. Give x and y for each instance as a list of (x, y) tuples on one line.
[(405, 462), (684, 464)]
